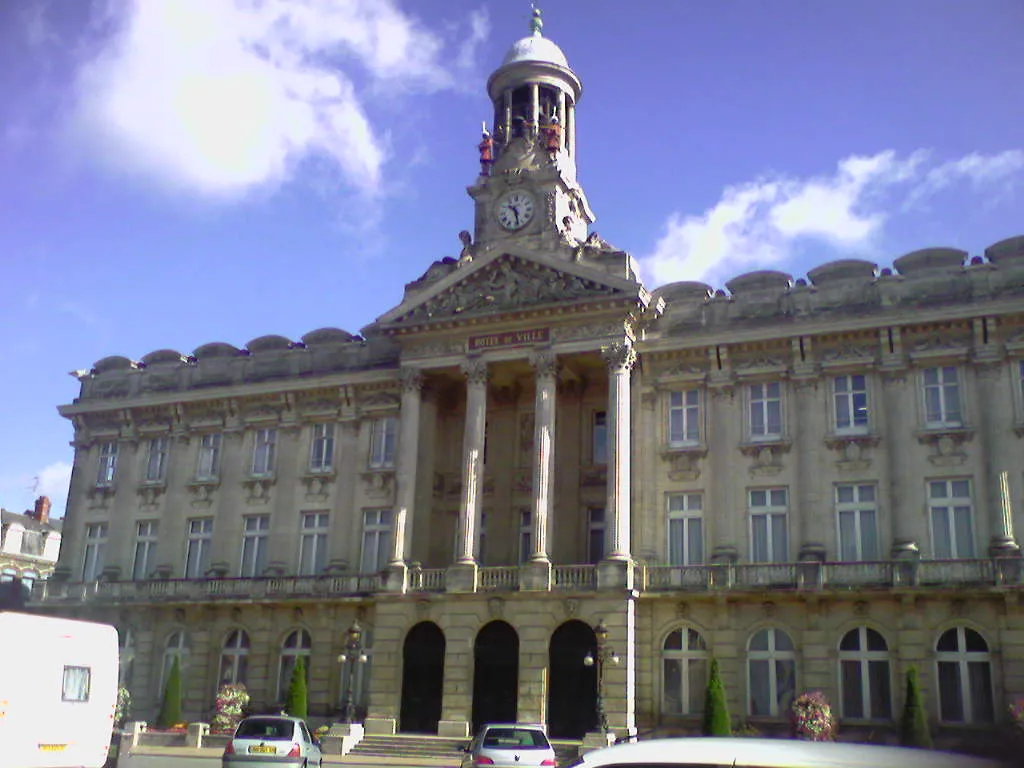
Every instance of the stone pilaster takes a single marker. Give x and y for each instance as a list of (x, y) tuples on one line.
[(615, 571), (545, 363), (408, 448), (475, 370)]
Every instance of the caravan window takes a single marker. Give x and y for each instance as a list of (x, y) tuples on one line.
[(76, 684)]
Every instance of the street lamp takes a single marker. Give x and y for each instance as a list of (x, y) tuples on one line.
[(353, 655), (604, 655)]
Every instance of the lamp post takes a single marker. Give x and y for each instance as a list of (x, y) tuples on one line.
[(353, 655), (603, 655)]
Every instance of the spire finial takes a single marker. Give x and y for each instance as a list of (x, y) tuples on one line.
[(536, 22)]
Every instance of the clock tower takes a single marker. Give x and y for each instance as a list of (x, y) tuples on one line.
[(527, 194)]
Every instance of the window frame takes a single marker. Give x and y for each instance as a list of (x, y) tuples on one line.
[(863, 657), (599, 437), (685, 412), (956, 549), (687, 514), (773, 655), (940, 386), (857, 507), (157, 458), (691, 702), (209, 456), (383, 442), (145, 548), (315, 536), (849, 396), (597, 526), (235, 657), (770, 511), (264, 452), (256, 536), (765, 399), (321, 447), (963, 658), (203, 540), (378, 529), (95, 536), (181, 648), (303, 646), (106, 472), (525, 538)]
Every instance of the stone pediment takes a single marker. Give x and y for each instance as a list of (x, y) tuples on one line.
[(505, 283)]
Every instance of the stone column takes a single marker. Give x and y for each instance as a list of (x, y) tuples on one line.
[(620, 359), (535, 104), (538, 574), (570, 129), (462, 577), (994, 490), (405, 472), (561, 118)]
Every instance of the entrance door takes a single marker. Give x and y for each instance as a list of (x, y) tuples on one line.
[(495, 675), (572, 687), (422, 679)]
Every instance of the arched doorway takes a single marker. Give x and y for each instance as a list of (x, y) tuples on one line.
[(572, 685), (422, 678), (495, 674)]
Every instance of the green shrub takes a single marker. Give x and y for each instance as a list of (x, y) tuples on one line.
[(716, 710), (296, 703), (170, 709), (914, 725)]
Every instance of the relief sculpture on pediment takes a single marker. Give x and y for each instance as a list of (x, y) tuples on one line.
[(505, 284)]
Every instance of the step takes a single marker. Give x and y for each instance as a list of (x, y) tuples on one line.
[(409, 746)]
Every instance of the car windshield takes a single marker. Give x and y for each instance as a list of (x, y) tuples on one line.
[(515, 738), (264, 728)]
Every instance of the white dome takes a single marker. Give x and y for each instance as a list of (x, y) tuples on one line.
[(535, 48)]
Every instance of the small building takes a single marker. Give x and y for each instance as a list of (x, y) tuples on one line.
[(29, 546)]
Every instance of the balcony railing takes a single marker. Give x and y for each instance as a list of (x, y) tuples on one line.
[(574, 576), (428, 580), (835, 576), (185, 590), (499, 578)]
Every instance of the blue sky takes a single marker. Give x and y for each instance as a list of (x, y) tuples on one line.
[(176, 172)]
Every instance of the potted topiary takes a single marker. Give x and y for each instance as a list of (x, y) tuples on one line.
[(811, 718)]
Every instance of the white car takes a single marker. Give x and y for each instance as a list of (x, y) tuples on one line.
[(512, 744), (278, 740), (707, 752)]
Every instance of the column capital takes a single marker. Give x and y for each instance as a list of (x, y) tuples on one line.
[(619, 357), (411, 379), (475, 370), (545, 363)]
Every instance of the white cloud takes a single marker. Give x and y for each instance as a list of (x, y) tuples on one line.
[(760, 224), (223, 97), (54, 481)]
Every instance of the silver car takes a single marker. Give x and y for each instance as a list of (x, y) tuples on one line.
[(277, 740), (514, 744)]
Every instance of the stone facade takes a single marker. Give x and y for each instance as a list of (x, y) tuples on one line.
[(811, 480)]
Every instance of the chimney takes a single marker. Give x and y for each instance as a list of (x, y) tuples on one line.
[(42, 510)]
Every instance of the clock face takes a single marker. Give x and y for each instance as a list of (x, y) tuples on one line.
[(515, 210)]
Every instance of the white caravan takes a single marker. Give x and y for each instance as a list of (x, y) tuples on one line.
[(58, 691)]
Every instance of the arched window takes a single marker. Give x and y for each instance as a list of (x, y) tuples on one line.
[(234, 658), (771, 673), (177, 648), (965, 677), (864, 675), (296, 644), (684, 665)]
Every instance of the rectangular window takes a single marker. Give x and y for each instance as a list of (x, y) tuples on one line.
[(766, 411), (77, 684), (383, 440), (108, 464), (942, 397), (264, 452), (525, 535), (951, 513), (684, 417), (145, 549), (321, 452), (595, 534), (95, 543), (313, 544), (857, 509), (481, 540), (768, 535), (255, 532), (376, 540), (599, 436), (156, 460), (850, 396), (209, 457), (197, 551), (685, 529)]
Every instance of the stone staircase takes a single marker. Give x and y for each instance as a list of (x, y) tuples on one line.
[(438, 748)]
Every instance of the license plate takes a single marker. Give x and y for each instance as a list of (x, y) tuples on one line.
[(262, 750), (52, 747)]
